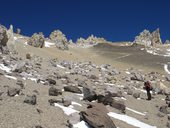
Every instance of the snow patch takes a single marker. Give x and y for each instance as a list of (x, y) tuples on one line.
[(67, 110), (166, 68), (130, 120), (81, 124), (11, 77), (59, 66), (15, 38), (5, 68), (75, 103), (49, 44), (140, 113)]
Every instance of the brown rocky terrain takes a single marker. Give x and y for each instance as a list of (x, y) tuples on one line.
[(96, 84)]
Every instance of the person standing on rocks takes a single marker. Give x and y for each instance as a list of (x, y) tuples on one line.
[(148, 88)]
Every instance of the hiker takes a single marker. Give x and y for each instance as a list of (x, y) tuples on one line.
[(148, 88)]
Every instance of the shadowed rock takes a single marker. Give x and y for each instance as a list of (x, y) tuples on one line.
[(32, 100), (54, 91), (89, 94)]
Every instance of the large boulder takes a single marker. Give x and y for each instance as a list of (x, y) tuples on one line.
[(72, 89), (37, 40), (60, 39), (96, 116), (3, 38), (118, 104)]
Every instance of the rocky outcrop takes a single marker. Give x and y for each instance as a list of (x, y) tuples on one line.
[(90, 41), (60, 39), (148, 39), (18, 31), (3, 38), (96, 116), (37, 40), (156, 39)]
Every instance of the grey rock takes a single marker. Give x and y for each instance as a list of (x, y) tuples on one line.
[(51, 81), (137, 76), (20, 83), (130, 92), (19, 67), (94, 77), (106, 100), (120, 105), (3, 39), (72, 89), (136, 95), (37, 40), (89, 94), (13, 91), (164, 109), (32, 100), (156, 39), (54, 91), (52, 101), (168, 124), (96, 116), (66, 103), (74, 118)]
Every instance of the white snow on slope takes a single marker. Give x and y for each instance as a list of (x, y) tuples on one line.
[(130, 120), (166, 68), (66, 110), (59, 66), (75, 103), (140, 113), (11, 77), (5, 68), (81, 124), (49, 44)]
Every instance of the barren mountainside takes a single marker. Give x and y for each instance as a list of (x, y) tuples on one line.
[(91, 83)]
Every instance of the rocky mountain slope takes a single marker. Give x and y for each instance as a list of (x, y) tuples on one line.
[(53, 83)]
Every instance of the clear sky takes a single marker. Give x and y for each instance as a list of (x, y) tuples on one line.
[(115, 20)]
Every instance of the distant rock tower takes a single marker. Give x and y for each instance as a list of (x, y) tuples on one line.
[(148, 39), (156, 38)]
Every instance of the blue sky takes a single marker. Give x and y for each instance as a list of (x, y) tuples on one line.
[(115, 20)]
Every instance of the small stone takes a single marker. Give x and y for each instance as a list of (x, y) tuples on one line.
[(54, 92), (32, 100), (28, 56), (67, 103), (51, 81)]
